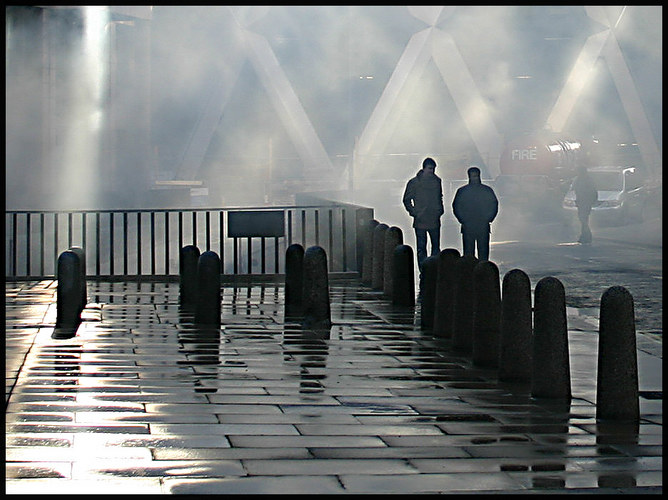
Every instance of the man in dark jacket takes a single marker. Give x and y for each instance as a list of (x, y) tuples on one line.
[(475, 206), (586, 197), (423, 199)]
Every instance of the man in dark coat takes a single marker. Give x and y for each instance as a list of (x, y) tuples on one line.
[(475, 206), (586, 197), (423, 199)]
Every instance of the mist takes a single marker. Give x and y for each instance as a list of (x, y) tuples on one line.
[(132, 107)]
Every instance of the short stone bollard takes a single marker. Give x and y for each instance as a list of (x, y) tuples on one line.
[(617, 379), (82, 276), (463, 309), (207, 312), (551, 374), (294, 279), (393, 237), (378, 256), (429, 275), (487, 314), (188, 260), (445, 293), (516, 331), (68, 301), (367, 261), (315, 298), (403, 278)]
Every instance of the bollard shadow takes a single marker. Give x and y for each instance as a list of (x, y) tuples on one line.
[(308, 349)]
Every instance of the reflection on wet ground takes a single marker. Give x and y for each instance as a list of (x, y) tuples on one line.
[(148, 403)]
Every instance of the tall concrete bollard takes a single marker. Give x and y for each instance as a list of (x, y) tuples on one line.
[(207, 312), (82, 274), (68, 301), (617, 380), (429, 275), (403, 278), (367, 262), (393, 237), (551, 374), (188, 259), (516, 331), (487, 315), (445, 293), (378, 256), (315, 299), (463, 310), (294, 279)]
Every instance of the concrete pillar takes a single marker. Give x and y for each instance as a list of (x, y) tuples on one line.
[(403, 279), (445, 292), (429, 275), (367, 262), (487, 315), (617, 380), (82, 274), (551, 374), (294, 279), (315, 298), (68, 299), (208, 290), (188, 259), (378, 256), (516, 330), (463, 310), (393, 237)]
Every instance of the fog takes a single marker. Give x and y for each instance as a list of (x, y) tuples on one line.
[(131, 107)]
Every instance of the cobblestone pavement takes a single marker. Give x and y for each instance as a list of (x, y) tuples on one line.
[(140, 401)]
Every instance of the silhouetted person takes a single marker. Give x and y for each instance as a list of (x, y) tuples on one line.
[(475, 206), (423, 199), (586, 196)]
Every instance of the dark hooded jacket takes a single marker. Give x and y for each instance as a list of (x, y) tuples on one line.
[(423, 199), (475, 206)]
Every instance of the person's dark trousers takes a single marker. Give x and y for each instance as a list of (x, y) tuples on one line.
[(471, 239), (585, 232), (421, 243)]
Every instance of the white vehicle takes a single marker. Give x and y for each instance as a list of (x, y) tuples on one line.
[(622, 195)]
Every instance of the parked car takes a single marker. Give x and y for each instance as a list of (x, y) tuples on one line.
[(623, 195)]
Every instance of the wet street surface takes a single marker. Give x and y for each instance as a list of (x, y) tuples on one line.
[(141, 401)]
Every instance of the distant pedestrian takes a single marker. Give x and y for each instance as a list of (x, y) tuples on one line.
[(423, 199), (475, 206), (586, 197)]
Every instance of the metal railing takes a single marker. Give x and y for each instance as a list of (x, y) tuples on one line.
[(145, 243)]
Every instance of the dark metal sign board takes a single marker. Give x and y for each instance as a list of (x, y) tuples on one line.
[(260, 223)]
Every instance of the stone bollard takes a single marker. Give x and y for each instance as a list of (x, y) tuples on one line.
[(551, 374), (463, 309), (68, 302), (429, 272), (188, 259), (487, 314), (82, 277), (378, 256), (403, 278), (617, 380), (516, 333), (315, 297), (208, 307), (294, 279), (445, 292), (393, 237), (367, 262)]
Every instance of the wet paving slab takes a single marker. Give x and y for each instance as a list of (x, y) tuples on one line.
[(143, 401)]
